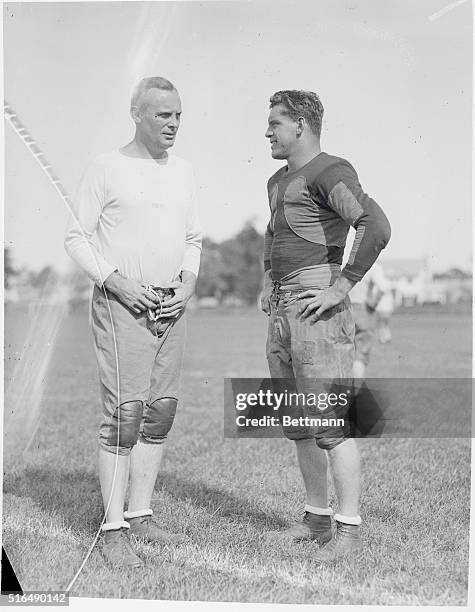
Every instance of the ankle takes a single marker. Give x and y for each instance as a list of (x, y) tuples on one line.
[(348, 520), (110, 530), (319, 510), (131, 515), (114, 526)]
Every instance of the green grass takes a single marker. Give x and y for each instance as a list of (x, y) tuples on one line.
[(227, 494)]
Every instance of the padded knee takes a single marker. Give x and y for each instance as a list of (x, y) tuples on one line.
[(123, 431), (158, 419), (329, 443), (297, 433)]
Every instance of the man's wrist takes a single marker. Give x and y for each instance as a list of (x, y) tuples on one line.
[(112, 281), (342, 286), (189, 280)]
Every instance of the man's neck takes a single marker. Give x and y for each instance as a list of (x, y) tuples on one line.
[(144, 150), (302, 157)]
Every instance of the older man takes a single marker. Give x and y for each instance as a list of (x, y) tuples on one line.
[(135, 232), (313, 201)]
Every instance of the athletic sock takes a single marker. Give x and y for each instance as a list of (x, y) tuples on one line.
[(317, 510), (114, 526), (348, 520), (111, 529), (137, 514)]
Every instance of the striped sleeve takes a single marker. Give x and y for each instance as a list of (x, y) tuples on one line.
[(345, 196)]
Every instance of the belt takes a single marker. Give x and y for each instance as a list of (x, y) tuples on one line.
[(280, 292), (289, 289)]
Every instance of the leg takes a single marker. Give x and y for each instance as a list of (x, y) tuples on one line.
[(118, 435), (158, 415), (324, 355), (359, 370), (384, 329), (316, 523), (317, 363), (113, 476), (364, 338), (121, 338), (144, 466), (145, 462), (313, 467), (157, 422), (345, 469)]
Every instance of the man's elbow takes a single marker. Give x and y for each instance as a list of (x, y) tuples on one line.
[(72, 242), (195, 239), (196, 243), (380, 228), (384, 231)]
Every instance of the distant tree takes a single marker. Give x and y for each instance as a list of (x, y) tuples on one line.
[(242, 257), (79, 286), (233, 267), (9, 269), (47, 276), (210, 279)]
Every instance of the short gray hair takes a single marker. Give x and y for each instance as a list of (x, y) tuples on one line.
[(299, 103), (147, 83)]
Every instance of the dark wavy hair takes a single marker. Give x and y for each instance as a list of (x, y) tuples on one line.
[(300, 103)]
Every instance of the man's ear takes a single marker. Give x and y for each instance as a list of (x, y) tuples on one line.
[(135, 114), (300, 126)]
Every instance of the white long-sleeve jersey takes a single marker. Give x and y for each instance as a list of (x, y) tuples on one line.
[(137, 216)]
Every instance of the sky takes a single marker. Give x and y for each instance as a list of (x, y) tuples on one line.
[(396, 87)]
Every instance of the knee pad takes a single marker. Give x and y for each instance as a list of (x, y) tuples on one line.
[(158, 419), (124, 427), (297, 433), (329, 443)]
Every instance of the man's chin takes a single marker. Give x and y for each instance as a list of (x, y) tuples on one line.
[(166, 144), (277, 155)]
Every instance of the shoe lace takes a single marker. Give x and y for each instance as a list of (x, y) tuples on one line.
[(342, 534)]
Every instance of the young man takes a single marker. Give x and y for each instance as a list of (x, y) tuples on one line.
[(365, 297), (135, 232), (313, 201)]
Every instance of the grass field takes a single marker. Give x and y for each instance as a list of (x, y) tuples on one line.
[(227, 494)]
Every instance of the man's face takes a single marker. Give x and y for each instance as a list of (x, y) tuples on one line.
[(160, 112), (282, 132)]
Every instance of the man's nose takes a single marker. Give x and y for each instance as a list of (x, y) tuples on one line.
[(174, 121), (268, 133)]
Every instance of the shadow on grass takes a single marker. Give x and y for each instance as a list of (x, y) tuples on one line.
[(217, 501), (72, 497), (75, 497)]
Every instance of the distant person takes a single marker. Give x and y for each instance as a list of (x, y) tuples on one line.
[(136, 234), (384, 312), (313, 201), (365, 297)]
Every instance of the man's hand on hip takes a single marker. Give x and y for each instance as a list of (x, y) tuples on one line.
[(318, 301), (183, 292), (130, 292)]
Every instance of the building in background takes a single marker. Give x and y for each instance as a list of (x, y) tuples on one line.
[(413, 282)]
